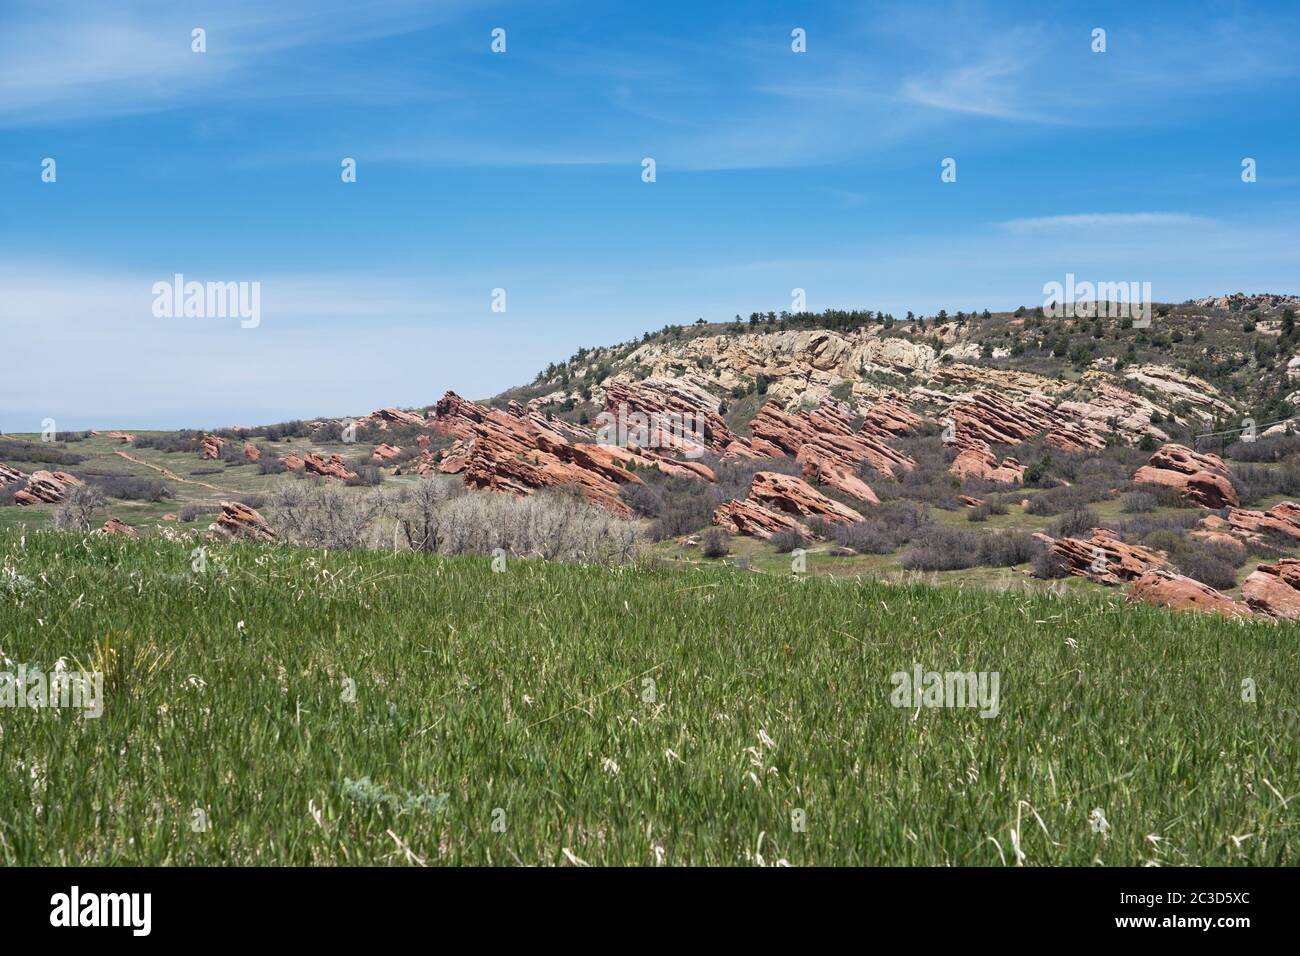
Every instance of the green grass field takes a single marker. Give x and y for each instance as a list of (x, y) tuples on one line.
[(550, 714)]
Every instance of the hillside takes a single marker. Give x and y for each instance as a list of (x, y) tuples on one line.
[(1004, 450)]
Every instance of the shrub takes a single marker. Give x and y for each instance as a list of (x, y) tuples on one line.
[(270, 465), (715, 543), (366, 475), (77, 510), (786, 540), (1208, 569), (190, 512), (1138, 502), (1049, 565), (1078, 520), (182, 441), (128, 488), (939, 548)]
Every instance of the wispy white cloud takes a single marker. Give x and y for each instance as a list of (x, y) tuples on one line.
[(1102, 220)]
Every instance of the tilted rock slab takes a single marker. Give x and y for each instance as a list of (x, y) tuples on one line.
[(45, 487), (1177, 592), (1274, 589), (1201, 479), (1105, 559), (240, 521)]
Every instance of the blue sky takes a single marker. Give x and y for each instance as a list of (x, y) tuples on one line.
[(522, 171)]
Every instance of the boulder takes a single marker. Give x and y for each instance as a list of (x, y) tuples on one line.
[(10, 474), (981, 463), (210, 447), (1274, 589), (1201, 479), (751, 518), (818, 469), (385, 452), (1179, 593), (1282, 520), (794, 495), (45, 487), (1105, 559), (115, 526), (332, 467), (240, 521), (252, 452)]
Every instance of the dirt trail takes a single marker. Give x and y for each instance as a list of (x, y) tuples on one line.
[(175, 477)]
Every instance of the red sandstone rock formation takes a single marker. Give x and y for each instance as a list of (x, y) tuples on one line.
[(45, 487), (384, 417), (252, 452), (970, 502), (240, 521), (1105, 559), (890, 419), (818, 469), (1282, 520), (748, 517), (115, 526), (9, 474), (992, 419), (981, 463), (210, 447), (665, 414), (1274, 589), (795, 496), (828, 429), (385, 451), (456, 416), (333, 467), (1179, 593), (1201, 479)]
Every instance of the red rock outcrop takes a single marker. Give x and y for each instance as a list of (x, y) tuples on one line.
[(332, 467), (515, 456), (240, 521), (1179, 593), (665, 414), (1274, 589), (750, 518), (829, 430), (795, 496), (818, 469), (890, 419), (210, 447), (252, 452), (1202, 479), (45, 487), (385, 452), (992, 419), (456, 416), (1105, 559), (981, 463), (1282, 520), (9, 474), (115, 526), (423, 442), (384, 417)]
